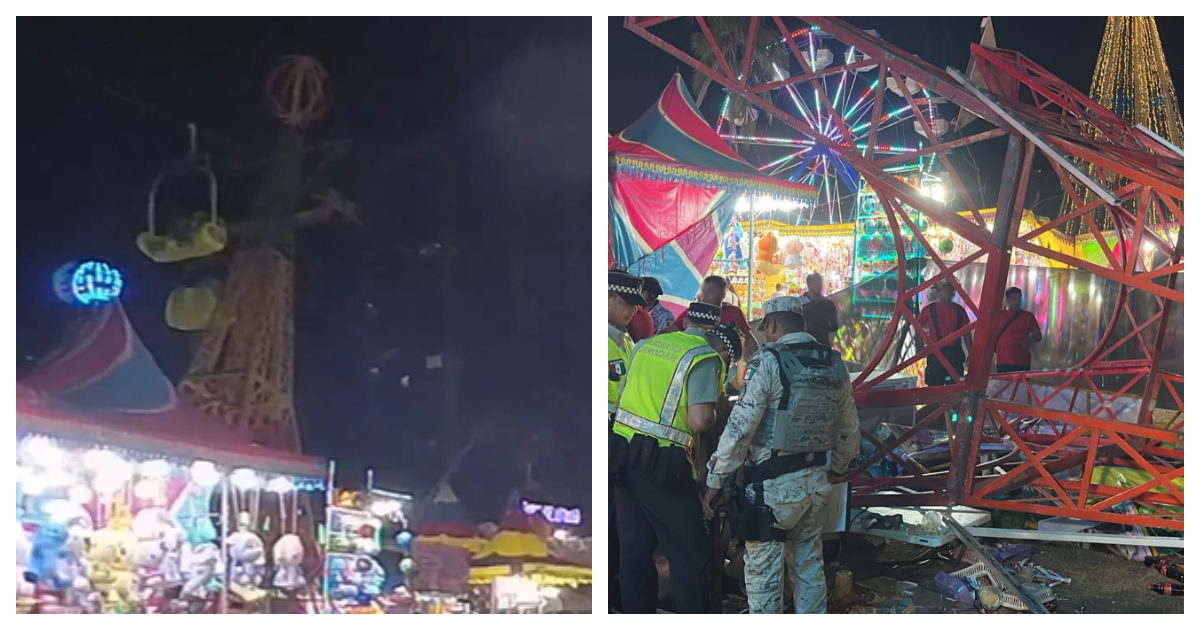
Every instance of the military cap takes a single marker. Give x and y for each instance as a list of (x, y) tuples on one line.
[(702, 314), (627, 286), (781, 305)]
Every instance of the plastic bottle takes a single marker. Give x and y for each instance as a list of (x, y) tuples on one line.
[(1165, 567), (1166, 588)]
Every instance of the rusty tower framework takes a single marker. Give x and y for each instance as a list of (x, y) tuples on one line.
[(242, 369), (1088, 147)]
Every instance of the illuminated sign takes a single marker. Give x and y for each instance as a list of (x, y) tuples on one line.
[(88, 283), (553, 513)]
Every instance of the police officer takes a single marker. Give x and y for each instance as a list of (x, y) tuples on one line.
[(624, 298), (669, 396), (797, 405)]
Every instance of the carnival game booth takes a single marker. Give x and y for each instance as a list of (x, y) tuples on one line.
[(535, 561), (441, 554), (674, 187), (131, 500)]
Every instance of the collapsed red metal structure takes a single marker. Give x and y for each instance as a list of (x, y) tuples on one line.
[(1137, 178)]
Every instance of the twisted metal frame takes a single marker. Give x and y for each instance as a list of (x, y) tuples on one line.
[(1139, 177)]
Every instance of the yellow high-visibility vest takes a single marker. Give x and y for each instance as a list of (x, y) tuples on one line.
[(618, 366), (654, 401)]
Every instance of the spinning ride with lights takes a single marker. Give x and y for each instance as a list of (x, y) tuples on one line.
[(1068, 430), (841, 104)]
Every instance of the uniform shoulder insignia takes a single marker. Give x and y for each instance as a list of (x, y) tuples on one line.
[(616, 369)]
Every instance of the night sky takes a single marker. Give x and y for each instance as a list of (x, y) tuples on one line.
[(468, 134), (1066, 46)]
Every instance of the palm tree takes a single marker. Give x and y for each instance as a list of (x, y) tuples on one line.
[(730, 34)]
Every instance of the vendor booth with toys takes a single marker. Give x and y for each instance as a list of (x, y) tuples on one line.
[(130, 500)]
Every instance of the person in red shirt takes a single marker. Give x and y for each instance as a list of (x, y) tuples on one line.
[(942, 319), (1019, 330), (712, 291)]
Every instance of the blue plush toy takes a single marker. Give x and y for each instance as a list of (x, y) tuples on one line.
[(49, 557)]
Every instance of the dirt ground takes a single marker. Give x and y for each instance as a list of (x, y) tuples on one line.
[(1102, 582)]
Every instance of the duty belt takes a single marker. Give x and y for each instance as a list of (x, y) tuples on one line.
[(656, 429), (780, 465)]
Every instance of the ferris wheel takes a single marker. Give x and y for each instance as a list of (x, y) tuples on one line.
[(840, 104)]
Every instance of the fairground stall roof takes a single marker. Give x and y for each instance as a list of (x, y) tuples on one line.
[(673, 185), (103, 387)]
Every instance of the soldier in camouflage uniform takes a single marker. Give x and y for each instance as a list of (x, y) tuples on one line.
[(784, 452)]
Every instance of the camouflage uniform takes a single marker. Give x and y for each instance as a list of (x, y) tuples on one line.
[(797, 499)]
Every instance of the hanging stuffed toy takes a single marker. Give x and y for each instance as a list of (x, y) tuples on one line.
[(191, 513), (25, 588), (202, 564), (48, 557), (289, 555), (77, 566), (110, 558), (768, 245), (247, 558), (171, 568), (791, 249)]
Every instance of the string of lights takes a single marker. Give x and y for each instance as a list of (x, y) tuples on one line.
[(1131, 80)]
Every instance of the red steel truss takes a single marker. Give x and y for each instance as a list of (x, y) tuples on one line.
[(1061, 425)]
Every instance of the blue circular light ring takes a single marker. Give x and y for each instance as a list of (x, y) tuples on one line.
[(96, 282)]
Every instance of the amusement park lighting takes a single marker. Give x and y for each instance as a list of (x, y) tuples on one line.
[(280, 485), (561, 534), (42, 452), (81, 495), (157, 468), (244, 479), (767, 204), (934, 192), (204, 474), (384, 507)]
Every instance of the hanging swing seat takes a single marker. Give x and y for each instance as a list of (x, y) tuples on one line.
[(190, 309), (198, 241), (197, 236)]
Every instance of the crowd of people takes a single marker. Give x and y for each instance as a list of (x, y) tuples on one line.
[(684, 449)]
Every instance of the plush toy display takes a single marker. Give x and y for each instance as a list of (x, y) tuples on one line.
[(768, 245), (172, 561), (202, 565), (791, 249), (289, 554), (247, 558), (191, 513), (76, 566), (25, 588), (110, 558), (48, 558)]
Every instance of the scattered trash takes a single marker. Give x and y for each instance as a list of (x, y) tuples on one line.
[(1166, 588), (1165, 567), (954, 587)]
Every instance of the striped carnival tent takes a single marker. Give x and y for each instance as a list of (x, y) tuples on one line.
[(102, 386), (673, 188)]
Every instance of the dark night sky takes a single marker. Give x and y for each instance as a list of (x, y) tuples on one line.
[(1066, 46), (486, 122)]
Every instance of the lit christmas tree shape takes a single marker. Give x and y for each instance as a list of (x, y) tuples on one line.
[(88, 283)]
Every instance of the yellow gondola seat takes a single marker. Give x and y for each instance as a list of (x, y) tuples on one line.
[(191, 308), (193, 237), (205, 240)]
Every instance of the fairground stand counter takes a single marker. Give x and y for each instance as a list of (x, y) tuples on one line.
[(131, 500)]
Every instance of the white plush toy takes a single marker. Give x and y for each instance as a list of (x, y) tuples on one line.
[(77, 568), (289, 554), (202, 562), (171, 567), (147, 559), (247, 558)]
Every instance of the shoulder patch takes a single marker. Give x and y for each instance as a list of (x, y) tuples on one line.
[(616, 369)]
